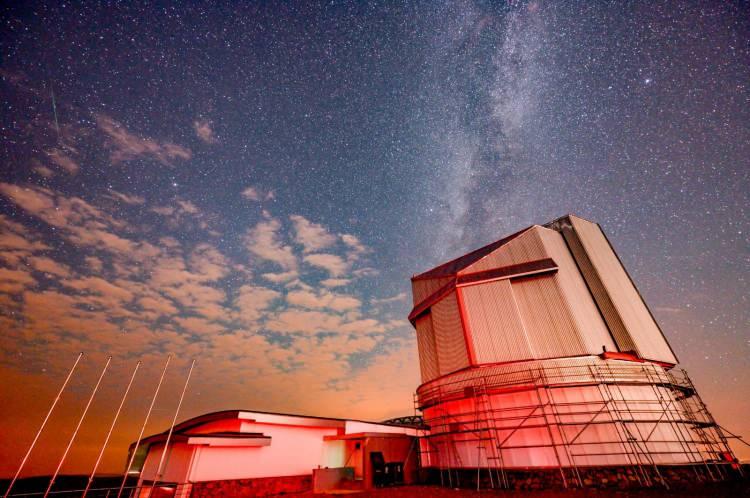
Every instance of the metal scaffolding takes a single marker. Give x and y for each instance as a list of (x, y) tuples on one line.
[(669, 425)]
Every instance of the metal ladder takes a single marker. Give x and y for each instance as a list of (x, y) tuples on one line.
[(485, 423), (543, 382), (449, 451), (720, 446), (672, 413), (623, 433)]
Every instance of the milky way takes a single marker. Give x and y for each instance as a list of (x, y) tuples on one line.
[(253, 187)]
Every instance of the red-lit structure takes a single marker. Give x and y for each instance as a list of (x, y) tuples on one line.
[(538, 352)]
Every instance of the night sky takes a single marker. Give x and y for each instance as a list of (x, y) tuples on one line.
[(252, 186)]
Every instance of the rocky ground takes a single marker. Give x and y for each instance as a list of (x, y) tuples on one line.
[(720, 490)]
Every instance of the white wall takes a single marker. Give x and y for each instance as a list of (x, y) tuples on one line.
[(293, 451)]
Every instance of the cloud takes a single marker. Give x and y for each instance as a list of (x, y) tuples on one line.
[(366, 272), (81, 222), (157, 306), (43, 171), (335, 265), (94, 263), (15, 281), (34, 200), (207, 263), (136, 291), (362, 326), (311, 321), (263, 241), (312, 236), (192, 285), (387, 383), (63, 161), (304, 322), (125, 146), (200, 299), (357, 248), (280, 278), (187, 207), (199, 326), (254, 194), (335, 282), (335, 345), (252, 301), (323, 299), (133, 200), (181, 208), (204, 131), (50, 266), (100, 287), (16, 241), (401, 296)]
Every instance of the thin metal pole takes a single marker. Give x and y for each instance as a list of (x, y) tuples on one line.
[(39, 432), (143, 427), (171, 429), (75, 432), (111, 428)]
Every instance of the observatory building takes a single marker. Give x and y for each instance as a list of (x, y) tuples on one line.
[(538, 352)]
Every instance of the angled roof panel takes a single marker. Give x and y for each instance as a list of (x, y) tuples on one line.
[(455, 265)]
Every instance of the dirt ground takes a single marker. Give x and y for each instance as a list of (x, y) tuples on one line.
[(720, 490)]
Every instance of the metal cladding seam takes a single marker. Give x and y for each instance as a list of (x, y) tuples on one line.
[(426, 345), (549, 326), (449, 335), (421, 289)]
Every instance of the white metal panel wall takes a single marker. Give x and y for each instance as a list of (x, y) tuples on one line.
[(546, 317), (494, 324), (524, 248), (641, 327), (449, 335), (591, 328), (426, 345), (422, 289)]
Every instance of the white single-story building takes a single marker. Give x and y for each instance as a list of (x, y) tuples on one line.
[(225, 447)]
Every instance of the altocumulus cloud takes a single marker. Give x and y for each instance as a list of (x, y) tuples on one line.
[(271, 316)]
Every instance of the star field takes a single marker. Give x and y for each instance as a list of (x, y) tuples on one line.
[(253, 186)]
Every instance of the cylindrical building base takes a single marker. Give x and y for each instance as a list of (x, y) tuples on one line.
[(569, 414)]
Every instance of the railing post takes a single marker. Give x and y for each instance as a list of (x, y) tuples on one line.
[(171, 430), (109, 434), (41, 427), (143, 427), (75, 432)]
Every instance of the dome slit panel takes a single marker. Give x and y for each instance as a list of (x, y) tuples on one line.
[(494, 323), (592, 329), (640, 326), (548, 323)]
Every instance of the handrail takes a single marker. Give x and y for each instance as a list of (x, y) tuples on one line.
[(519, 378)]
